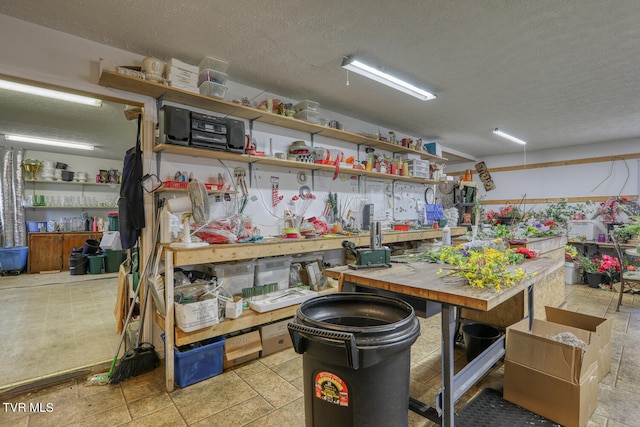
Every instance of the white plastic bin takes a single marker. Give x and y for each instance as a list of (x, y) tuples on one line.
[(235, 276), (273, 270)]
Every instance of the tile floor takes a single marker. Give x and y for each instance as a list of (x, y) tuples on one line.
[(52, 323), (269, 392)]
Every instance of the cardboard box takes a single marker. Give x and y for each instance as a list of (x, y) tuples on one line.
[(556, 380), (570, 405), (241, 348), (196, 315), (275, 337), (598, 326), (233, 309)]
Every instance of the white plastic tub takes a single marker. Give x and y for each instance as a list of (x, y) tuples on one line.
[(273, 270)]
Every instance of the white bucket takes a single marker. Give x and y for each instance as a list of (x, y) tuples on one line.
[(572, 274)]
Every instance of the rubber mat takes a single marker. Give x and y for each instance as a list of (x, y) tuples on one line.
[(490, 410)]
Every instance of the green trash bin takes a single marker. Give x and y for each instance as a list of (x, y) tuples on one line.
[(96, 263), (112, 261)]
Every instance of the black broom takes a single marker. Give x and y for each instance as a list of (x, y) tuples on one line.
[(139, 359)]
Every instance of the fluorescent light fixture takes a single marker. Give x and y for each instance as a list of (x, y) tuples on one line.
[(50, 142), (48, 93), (511, 138), (374, 73)]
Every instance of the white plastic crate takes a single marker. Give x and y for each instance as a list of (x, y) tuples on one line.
[(587, 227), (273, 270), (235, 276)]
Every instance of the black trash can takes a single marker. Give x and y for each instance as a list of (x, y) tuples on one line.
[(477, 338), (356, 351), (77, 262)]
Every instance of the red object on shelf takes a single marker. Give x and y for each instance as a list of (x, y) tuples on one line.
[(401, 227)]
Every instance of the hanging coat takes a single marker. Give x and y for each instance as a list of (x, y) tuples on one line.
[(131, 201)]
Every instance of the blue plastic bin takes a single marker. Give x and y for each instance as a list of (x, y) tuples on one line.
[(194, 364), (13, 259)]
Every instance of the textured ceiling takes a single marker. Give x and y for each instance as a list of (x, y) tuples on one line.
[(556, 73)]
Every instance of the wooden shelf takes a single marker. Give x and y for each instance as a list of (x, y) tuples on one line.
[(71, 207), (159, 91), (279, 246), (96, 184), (245, 158)]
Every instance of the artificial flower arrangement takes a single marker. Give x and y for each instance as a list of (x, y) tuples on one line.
[(611, 209), (482, 267), (507, 215), (571, 254)]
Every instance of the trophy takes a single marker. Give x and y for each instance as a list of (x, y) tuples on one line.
[(31, 166)]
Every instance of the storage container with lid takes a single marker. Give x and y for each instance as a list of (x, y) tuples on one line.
[(211, 75), (209, 62), (213, 89), (306, 105), (308, 115)]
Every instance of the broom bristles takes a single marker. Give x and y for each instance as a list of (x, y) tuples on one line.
[(134, 362)]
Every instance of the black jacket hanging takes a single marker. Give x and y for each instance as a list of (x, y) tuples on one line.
[(131, 201)]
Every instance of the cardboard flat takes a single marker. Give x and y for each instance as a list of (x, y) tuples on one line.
[(566, 403), (598, 326), (241, 348), (196, 315), (275, 337), (537, 351)]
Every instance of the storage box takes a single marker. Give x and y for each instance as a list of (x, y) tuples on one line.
[(209, 62), (572, 273), (235, 276), (273, 270), (599, 327), (556, 380), (587, 227), (233, 309), (196, 315), (212, 89), (433, 148), (306, 105), (275, 337), (308, 115), (13, 259), (209, 75), (197, 362), (242, 348)]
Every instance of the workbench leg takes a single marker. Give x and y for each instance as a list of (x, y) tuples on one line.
[(169, 320), (448, 342)]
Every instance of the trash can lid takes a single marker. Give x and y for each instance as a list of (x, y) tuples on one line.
[(373, 319)]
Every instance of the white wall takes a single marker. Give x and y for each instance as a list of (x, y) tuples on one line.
[(588, 180)]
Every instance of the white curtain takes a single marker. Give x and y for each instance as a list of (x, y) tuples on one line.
[(12, 187)]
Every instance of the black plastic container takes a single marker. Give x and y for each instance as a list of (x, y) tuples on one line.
[(356, 359), (91, 247), (77, 263), (477, 338)]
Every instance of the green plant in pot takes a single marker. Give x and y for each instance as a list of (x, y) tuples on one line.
[(627, 231)]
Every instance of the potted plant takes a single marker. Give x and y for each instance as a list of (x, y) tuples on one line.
[(572, 267), (626, 231), (590, 267), (610, 267)]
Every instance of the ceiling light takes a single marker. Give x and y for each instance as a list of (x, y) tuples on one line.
[(511, 138), (374, 73), (33, 90), (50, 142)]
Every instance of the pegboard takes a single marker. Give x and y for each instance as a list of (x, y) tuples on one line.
[(380, 193), (408, 200)]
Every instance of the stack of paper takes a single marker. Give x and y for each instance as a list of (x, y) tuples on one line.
[(182, 76)]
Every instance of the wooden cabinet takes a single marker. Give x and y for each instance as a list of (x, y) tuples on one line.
[(51, 251), (45, 252)]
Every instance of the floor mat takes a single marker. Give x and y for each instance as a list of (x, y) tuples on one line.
[(489, 409)]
